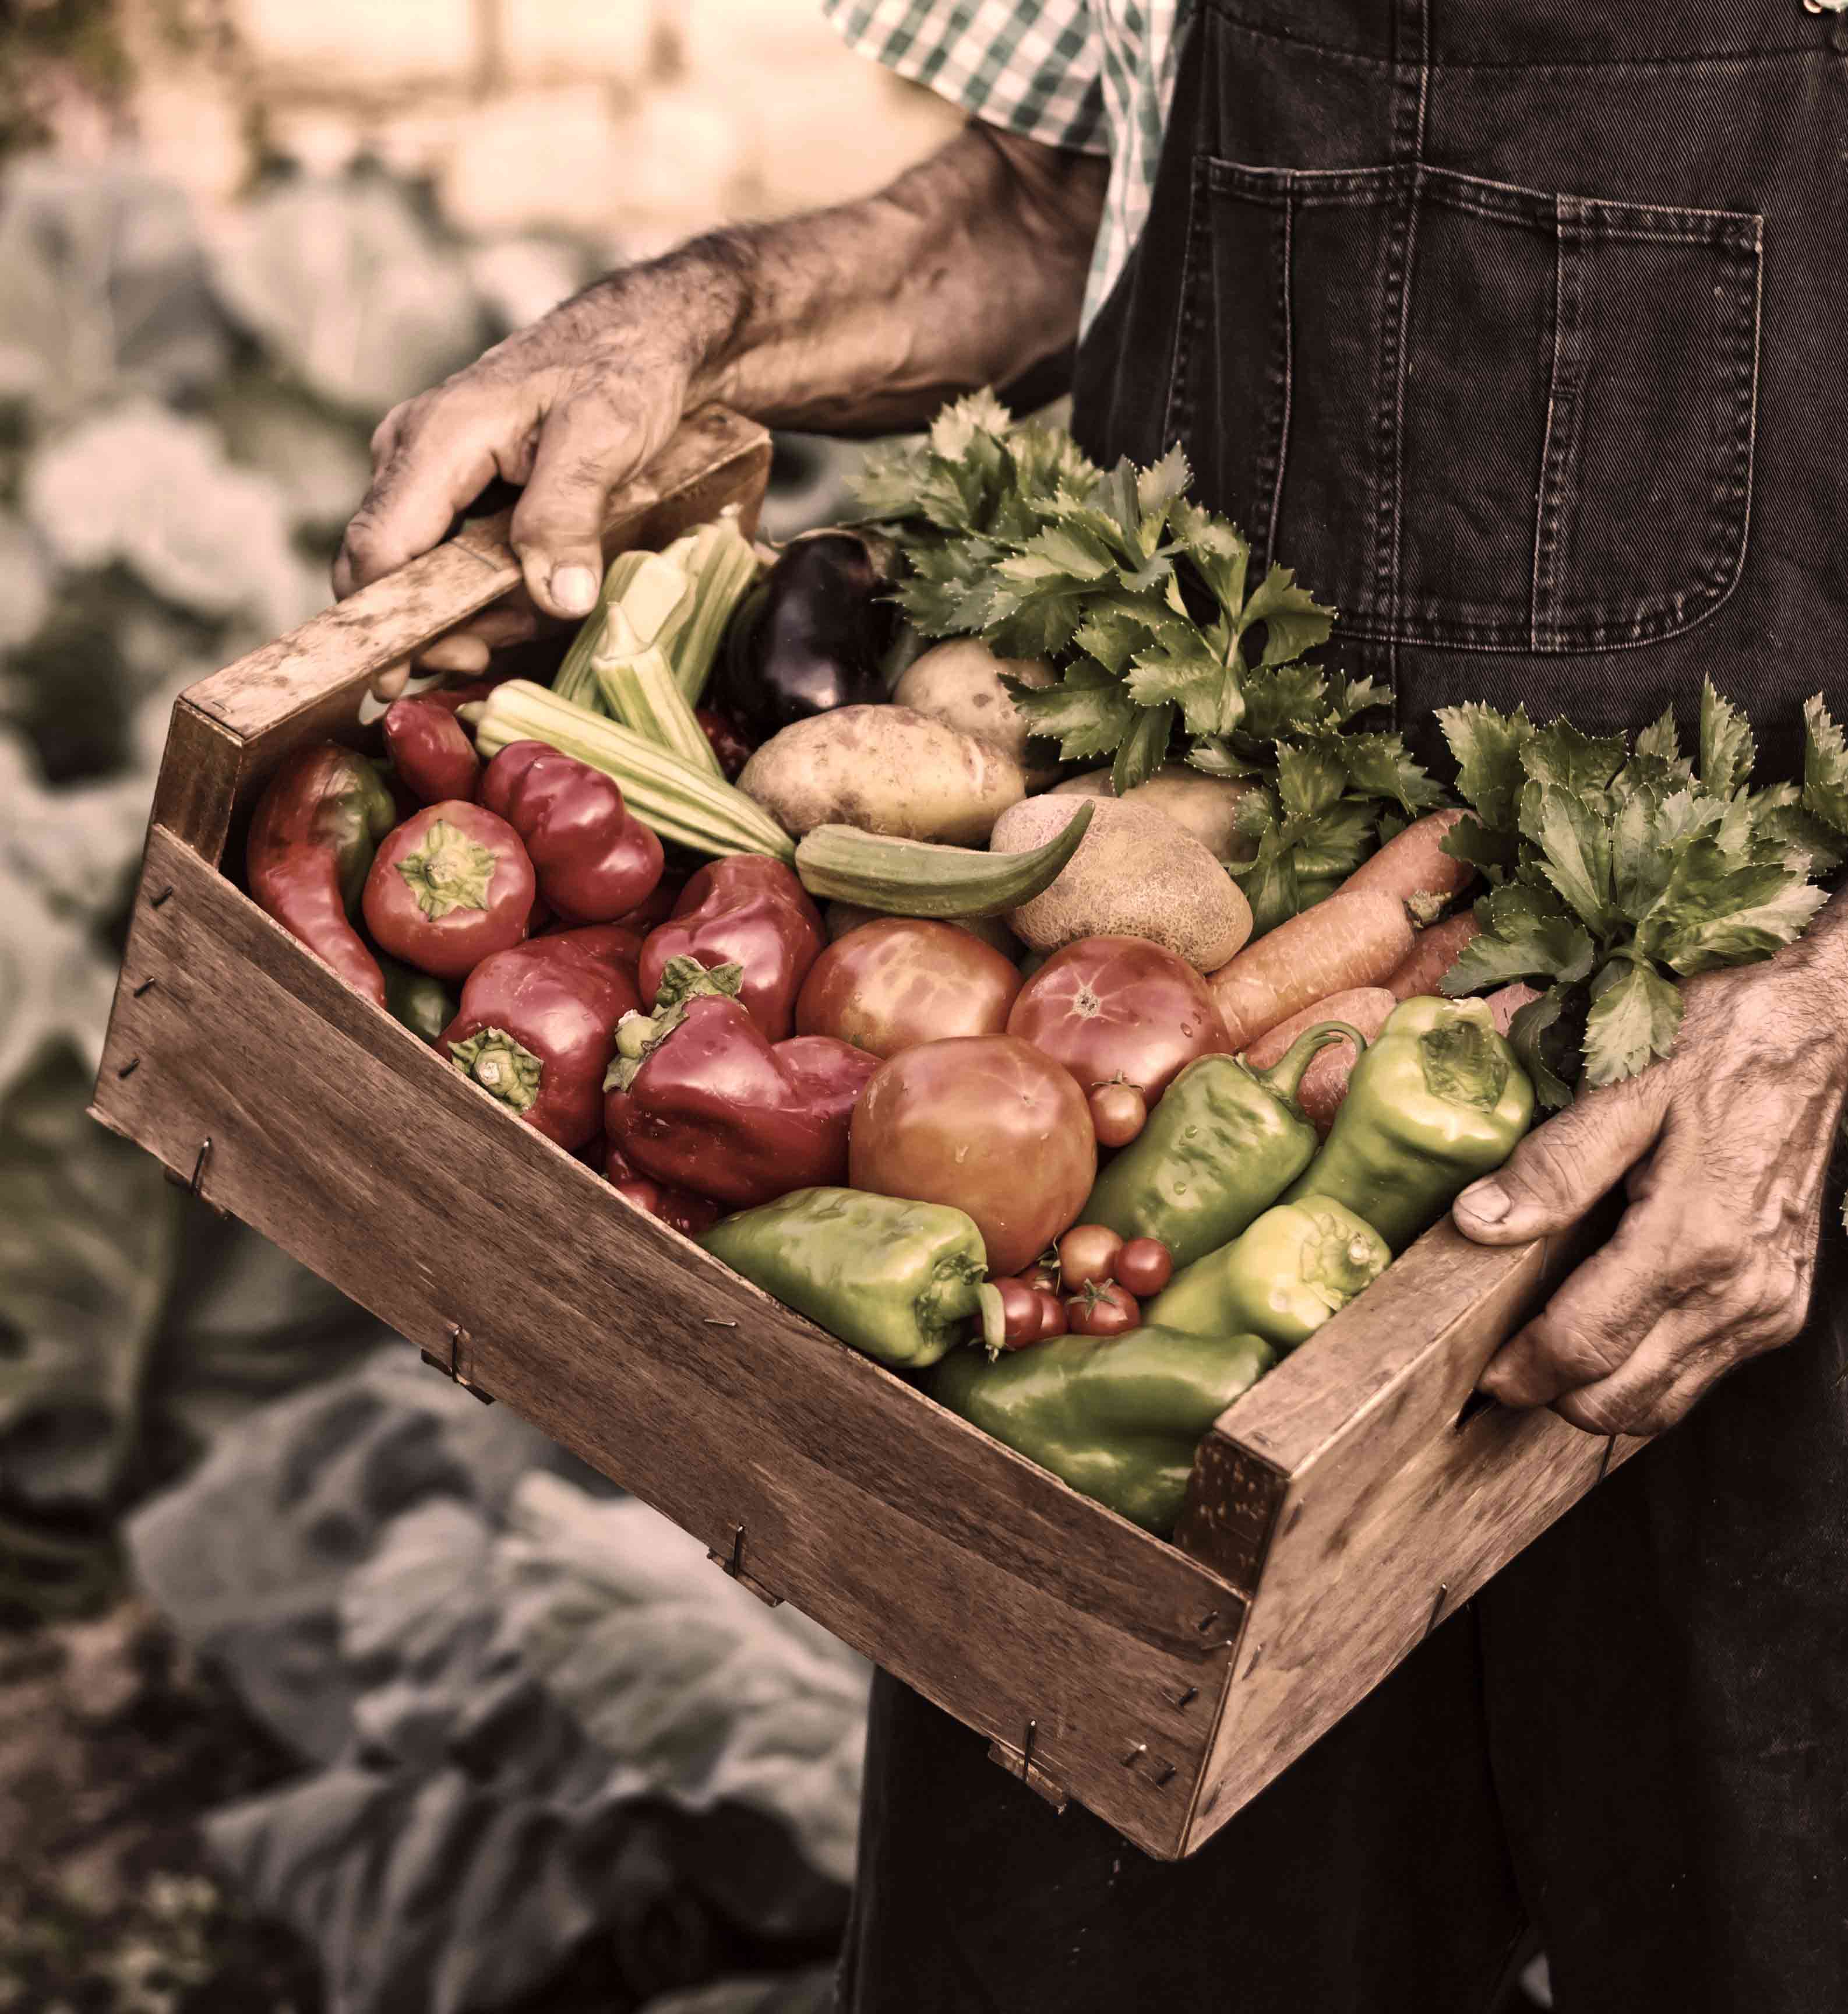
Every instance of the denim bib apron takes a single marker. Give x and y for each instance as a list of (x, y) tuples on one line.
[(1521, 331)]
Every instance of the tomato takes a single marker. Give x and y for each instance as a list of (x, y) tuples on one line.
[(1042, 1278), (1106, 1311), (1052, 1315), (892, 984), (1087, 1255), (1144, 1266), (1119, 1007), (1021, 1314), (1119, 1111), (987, 1124), (449, 887)]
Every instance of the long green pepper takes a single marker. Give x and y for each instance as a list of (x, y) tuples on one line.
[(1437, 1100), (1224, 1144), (897, 1280), (1118, 1418), (1297, 1265)]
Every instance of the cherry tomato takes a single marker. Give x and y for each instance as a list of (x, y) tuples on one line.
[(894, 984), (1021, 1314), (1105, 1310), (1144, 1266), (1119, 1007), (1119, 1111), (1052, 1315), (1042, 1278), (1087, 1256), (987, 1124)]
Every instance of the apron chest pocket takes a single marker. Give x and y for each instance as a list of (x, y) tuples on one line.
[(1472, 416)]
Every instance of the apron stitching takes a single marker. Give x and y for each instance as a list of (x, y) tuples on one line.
[(1553, 392), (1282, 449)]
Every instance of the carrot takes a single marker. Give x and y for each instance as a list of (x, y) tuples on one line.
[(1434, 951), (1509, 1000), (1353, 939), (1325, 1082), (1416, 867)]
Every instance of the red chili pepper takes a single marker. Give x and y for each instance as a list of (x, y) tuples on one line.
[(594, 863), (311, 844), (700, 1098), (746, 911), (537, 1028), (678, 1209), (431, 754), (451, 886)]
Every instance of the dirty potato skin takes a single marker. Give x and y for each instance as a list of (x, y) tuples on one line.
[(885, 769), (960, 683)]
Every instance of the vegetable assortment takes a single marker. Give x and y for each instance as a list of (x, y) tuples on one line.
[(1141, 1046)]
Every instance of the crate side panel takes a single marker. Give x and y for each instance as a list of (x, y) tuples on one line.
[(1369, 1554), (976, 1577)]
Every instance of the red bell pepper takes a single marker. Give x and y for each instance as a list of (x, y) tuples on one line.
[(678, 1208), (594, 863), (537, 1027), (431, 754), (700, 1098), (311, 842), (452, 886), (750, 912)]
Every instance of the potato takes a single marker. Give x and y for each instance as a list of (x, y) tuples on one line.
[(960, 683), (842, 917), (1206, 806), (883, 769), (1136, 874)]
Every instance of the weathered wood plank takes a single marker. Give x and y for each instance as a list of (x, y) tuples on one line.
[(974, 1576), (1392, 1498)]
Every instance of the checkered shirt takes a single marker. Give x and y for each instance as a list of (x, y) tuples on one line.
[(1096, 75)]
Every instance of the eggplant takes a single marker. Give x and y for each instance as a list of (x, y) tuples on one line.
[(812, 635)]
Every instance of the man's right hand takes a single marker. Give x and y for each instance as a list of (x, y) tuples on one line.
[(569, 407)]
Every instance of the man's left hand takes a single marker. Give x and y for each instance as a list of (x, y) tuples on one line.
[(1725, 1147)]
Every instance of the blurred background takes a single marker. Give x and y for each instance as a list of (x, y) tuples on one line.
[(323, 1687)]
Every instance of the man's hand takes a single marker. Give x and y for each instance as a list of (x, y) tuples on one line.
[(1725, 1147), (969, 270)]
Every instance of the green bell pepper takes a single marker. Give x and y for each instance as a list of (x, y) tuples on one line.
[(1224, 1144), (1118, 1418), (1437, 1100), (897, 1280), (1297, 1265), (425, 1006)]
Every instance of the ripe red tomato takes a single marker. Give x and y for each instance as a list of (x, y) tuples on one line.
[(1052, 1315), (1119, 1111), (1087, 1256), (987, 1124), (1042, 1278), (1021, 1314), (1105, 1310), (892, 984), (1144, 1266), (1112, 1007)]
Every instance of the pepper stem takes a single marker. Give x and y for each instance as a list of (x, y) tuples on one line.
[(501, 1066), (1284, 1077), (448, 871), (995, 1319)]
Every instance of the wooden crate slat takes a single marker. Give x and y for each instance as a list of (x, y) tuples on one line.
[(987, 1583)]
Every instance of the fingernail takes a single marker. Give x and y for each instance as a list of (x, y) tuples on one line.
[(573, 587), (1486, 1202)]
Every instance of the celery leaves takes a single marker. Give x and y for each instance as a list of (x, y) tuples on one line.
[(1614, 869)]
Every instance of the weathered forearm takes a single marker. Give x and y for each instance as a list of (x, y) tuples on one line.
[(967, 270)]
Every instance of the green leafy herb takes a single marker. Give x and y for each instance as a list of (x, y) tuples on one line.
[(1145, 603), (1614, 869)]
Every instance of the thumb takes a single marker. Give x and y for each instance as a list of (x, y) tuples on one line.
[(589, 444), (1561, 1169)]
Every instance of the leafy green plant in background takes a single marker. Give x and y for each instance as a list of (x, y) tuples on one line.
[(1145, 602), (1615, 870)]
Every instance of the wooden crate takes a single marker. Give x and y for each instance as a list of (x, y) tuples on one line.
[(1338, 1512)]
